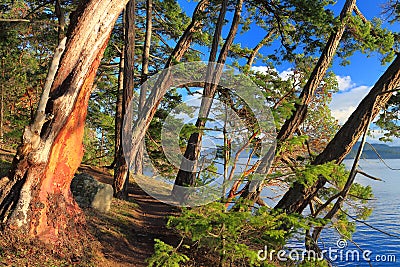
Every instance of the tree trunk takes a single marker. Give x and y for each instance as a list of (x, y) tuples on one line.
[(299, 115), (2, 104), (256, 49), (160, 88), (186, 39), (61, 20), (35, 197), (298, 196), (121, 171), (185, 177), (145, 72), (118, 108)]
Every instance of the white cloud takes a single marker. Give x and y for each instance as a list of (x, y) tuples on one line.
[(345, 83), (285, 75), (262, 69), (347, 99), (344, 103)]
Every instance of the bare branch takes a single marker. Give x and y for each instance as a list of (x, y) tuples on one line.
[(14, 20), (368, 175), (258, 47), (40, 113)]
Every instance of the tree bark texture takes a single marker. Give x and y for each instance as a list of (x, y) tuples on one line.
[(35, 197), (299, 196), (121, 171), (164, 82), (143, 78), (299, 115), (192, 152)]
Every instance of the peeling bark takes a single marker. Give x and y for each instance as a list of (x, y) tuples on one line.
[(299, 115), (35, 197), (298, 196)]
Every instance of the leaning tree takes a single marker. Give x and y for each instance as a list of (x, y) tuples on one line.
[(35, 196)]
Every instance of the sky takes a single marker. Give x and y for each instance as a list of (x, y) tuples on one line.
[(354, 80)]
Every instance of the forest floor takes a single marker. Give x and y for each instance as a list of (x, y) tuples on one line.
[(124, 236), (127, 232)]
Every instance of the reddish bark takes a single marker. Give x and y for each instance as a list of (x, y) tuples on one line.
[(36, 197)]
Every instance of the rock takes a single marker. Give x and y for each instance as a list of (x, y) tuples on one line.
[(89, 192)]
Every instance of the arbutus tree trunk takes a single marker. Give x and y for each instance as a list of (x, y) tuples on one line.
[(252, 192), (145, 71), (118, 107), (299, 115), (35, 197), (192, 152), (299, 196), (121, 170), (164, 82)]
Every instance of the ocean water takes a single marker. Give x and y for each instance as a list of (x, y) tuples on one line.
[(382, 246)]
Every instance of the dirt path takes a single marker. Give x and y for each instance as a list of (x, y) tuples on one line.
[(127, 232)]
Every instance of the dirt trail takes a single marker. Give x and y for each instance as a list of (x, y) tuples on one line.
[(127, 232)]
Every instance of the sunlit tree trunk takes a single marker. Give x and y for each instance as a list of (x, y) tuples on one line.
[(299, 115), (121, 170), (184, 177), (35, 197), (292, 124), (145, 72), (298, 196)]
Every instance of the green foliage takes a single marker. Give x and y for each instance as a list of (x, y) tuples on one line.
[(166, 256), (360, 192), (236, 235), (309, 174), (367, 37), (389, 118), (345, 227), (25, 51)]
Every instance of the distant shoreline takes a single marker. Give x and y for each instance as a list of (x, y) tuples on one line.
[(385, 151)]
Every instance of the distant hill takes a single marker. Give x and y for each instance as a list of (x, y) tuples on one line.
[(385, 151)]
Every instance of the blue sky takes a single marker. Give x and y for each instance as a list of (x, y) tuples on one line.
[(354, 80)]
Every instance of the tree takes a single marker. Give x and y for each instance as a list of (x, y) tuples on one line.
[(160, 88), (35, 197), (299, 196), (299, 115), (143, 78), (121, 170), (184, 177), (306, 96)]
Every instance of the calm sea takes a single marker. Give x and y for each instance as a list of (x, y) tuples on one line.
[(381, 247)]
